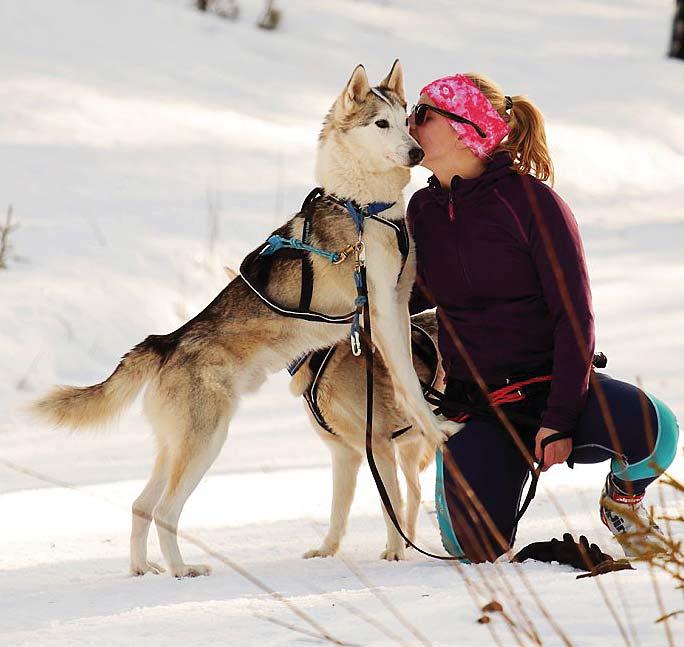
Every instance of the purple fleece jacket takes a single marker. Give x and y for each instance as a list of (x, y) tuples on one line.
[(486, 268)]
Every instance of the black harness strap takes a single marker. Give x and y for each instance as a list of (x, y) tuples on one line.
[(307, 268), (401, 432), (256, 269), (402, 238), (318, 362), (429, 357)]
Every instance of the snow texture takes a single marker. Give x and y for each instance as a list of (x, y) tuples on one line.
[(144, 145)]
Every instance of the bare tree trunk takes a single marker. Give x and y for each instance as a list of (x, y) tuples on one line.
[(5, 231), (677, 45)]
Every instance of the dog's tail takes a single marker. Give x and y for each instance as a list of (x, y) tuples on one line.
[(77, 407)]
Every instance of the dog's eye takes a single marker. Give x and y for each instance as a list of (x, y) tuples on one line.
[(407, 121), (382, 123)]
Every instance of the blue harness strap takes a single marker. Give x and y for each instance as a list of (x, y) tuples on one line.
[(276, 242), (360, 213)]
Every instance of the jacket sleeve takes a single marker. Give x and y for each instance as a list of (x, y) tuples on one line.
[(560, 262), (420, 300)]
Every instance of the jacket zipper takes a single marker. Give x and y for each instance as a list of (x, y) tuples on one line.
[(452, 218)]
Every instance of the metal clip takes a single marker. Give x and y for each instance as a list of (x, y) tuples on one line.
[(356, 343), (344, 253), (360, 256), (360, 251)]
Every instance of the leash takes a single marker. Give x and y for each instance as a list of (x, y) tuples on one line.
[(364, 344), (506, 395), (359, 213), (277, 242), (509, 393), (367, 347)]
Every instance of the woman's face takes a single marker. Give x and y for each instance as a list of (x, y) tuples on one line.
[(435, 135)]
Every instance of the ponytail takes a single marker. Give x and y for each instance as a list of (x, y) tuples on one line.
[(526, 141)]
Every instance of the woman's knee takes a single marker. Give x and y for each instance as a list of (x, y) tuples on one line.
[(635, 427), (663, 437)]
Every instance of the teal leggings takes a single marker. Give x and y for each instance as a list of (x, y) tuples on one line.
[(495, 470)]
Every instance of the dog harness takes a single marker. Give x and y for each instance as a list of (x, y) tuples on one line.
[(422, 344), (255, 270)]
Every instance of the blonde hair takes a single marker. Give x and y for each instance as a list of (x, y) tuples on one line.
[(526, 141)]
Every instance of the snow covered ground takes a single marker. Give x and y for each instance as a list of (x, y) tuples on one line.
[(143, 146)]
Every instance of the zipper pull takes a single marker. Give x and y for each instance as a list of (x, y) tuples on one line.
[(451, 207)]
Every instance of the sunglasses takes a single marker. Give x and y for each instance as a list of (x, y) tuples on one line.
[(419, 112)]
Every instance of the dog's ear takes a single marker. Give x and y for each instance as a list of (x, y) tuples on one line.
[(357, 88), (394, 81)]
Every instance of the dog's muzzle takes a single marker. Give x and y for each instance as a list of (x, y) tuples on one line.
[(416, 156)]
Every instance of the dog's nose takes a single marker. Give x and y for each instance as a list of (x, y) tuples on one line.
[(416, 155)]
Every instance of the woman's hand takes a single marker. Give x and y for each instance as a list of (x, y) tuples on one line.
[(555, 452)]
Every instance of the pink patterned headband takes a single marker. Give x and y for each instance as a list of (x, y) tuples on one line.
[(458, 94)]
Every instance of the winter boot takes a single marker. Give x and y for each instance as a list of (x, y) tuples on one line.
[(629, 521)]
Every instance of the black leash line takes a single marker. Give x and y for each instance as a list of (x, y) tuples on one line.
[(367, 345)]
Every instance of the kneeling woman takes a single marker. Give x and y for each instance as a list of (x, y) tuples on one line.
[(500, 255)]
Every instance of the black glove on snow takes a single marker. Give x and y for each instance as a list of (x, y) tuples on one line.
[(582, 556)]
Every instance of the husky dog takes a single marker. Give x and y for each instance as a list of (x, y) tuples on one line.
[(333, 384), (196, 374)]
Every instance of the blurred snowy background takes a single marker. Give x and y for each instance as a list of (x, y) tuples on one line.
[(143, 146)]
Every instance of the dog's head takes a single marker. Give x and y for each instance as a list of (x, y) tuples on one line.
[(372, 121)]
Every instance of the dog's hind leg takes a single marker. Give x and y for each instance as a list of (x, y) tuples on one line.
[(188, 464), (410, 452), (345, 463), (383, 452), (143, 508)]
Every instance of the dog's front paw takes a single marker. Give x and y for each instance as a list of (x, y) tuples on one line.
[(190, 570), (394, 554), (444, 429), (146, 567), (449, 427), (436, 436), (323, 551)]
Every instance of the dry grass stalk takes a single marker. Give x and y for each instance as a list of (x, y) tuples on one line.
[(5, 231)]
